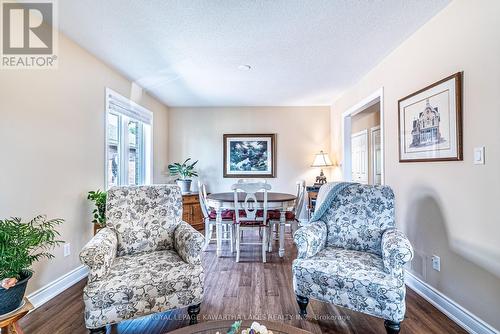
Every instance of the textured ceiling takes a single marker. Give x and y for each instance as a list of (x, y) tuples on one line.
[(186, 52)]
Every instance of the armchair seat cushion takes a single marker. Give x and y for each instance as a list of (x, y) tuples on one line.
[(352, 279), (158, 279)]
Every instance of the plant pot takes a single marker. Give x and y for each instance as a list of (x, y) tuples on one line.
[(11, 299), (97, 227), (185, 185)]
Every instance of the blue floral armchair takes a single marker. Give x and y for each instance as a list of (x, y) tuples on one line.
[(145, 260), (354, 256)]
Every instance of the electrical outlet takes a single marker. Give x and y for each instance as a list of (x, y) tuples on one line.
[(67, 249), (436, 263), (479, 155)]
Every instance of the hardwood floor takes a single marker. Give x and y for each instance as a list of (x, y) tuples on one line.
[(249, 290)]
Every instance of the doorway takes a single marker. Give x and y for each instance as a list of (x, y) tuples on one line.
[(359, 156), (362, 134)]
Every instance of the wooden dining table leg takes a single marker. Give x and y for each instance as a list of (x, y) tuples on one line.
[(282, 232), (218, 231)]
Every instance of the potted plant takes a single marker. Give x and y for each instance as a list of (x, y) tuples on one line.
[(22, 244), (185, 171), (99, 199)]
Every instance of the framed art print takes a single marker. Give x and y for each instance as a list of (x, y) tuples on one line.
[(430, 122), (249, 155)]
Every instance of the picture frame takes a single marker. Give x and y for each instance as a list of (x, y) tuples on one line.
[(430, 122), (249, 155)]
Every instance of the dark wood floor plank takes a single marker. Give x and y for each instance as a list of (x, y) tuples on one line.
[(246, 290)]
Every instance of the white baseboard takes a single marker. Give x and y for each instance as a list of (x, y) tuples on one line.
[(454, 311), (46, 293)]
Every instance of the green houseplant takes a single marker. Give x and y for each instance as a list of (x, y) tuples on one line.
[(98, 197), (22, 244), (184, 171)]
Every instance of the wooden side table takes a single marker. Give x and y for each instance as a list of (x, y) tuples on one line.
[(312, 193), (8, 322), (191, 211)]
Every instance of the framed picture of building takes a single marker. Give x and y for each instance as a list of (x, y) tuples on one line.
[(249, 155), (430, 122)]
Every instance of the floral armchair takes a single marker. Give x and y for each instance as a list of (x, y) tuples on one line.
[(145, 260), (354, 256)]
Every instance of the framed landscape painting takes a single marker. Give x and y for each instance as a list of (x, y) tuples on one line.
[(430, 122), (249, 155)]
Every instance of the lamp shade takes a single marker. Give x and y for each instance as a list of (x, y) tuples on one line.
[(321, 160)]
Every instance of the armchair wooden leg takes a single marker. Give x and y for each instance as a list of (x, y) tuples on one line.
[(193, 312), (392, 327), (302, 301), (100, 330)]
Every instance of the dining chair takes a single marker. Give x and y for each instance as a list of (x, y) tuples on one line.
[(292, 218), (249, 216), (210, 218), (300, 209), (253, 181)]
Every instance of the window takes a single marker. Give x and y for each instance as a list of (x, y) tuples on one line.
[(128, 141)]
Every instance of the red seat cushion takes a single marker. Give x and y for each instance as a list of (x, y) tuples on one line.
[(272, 214), (243, 214), (276, 215), (226, 214)]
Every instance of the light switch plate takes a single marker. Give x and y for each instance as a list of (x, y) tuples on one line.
[(436, 263), (67, 249), (479, 155)]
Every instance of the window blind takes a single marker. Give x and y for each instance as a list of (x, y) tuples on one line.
[(124, 106)]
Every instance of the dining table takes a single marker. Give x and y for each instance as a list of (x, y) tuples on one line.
[(275, 201)]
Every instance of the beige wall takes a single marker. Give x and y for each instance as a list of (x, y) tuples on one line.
[(365, 120), (447, 208), (52, 135), (301, 132)]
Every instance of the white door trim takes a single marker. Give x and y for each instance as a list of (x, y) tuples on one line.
[(373, 159), (377, 96)]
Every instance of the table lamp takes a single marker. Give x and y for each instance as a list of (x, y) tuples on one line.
[(321, 160)]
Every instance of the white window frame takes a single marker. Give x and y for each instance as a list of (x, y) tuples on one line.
[(136, 112)]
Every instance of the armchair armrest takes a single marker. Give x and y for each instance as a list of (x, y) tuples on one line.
[(99, 253), (188, 243), (310, 239), (396, 251)]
